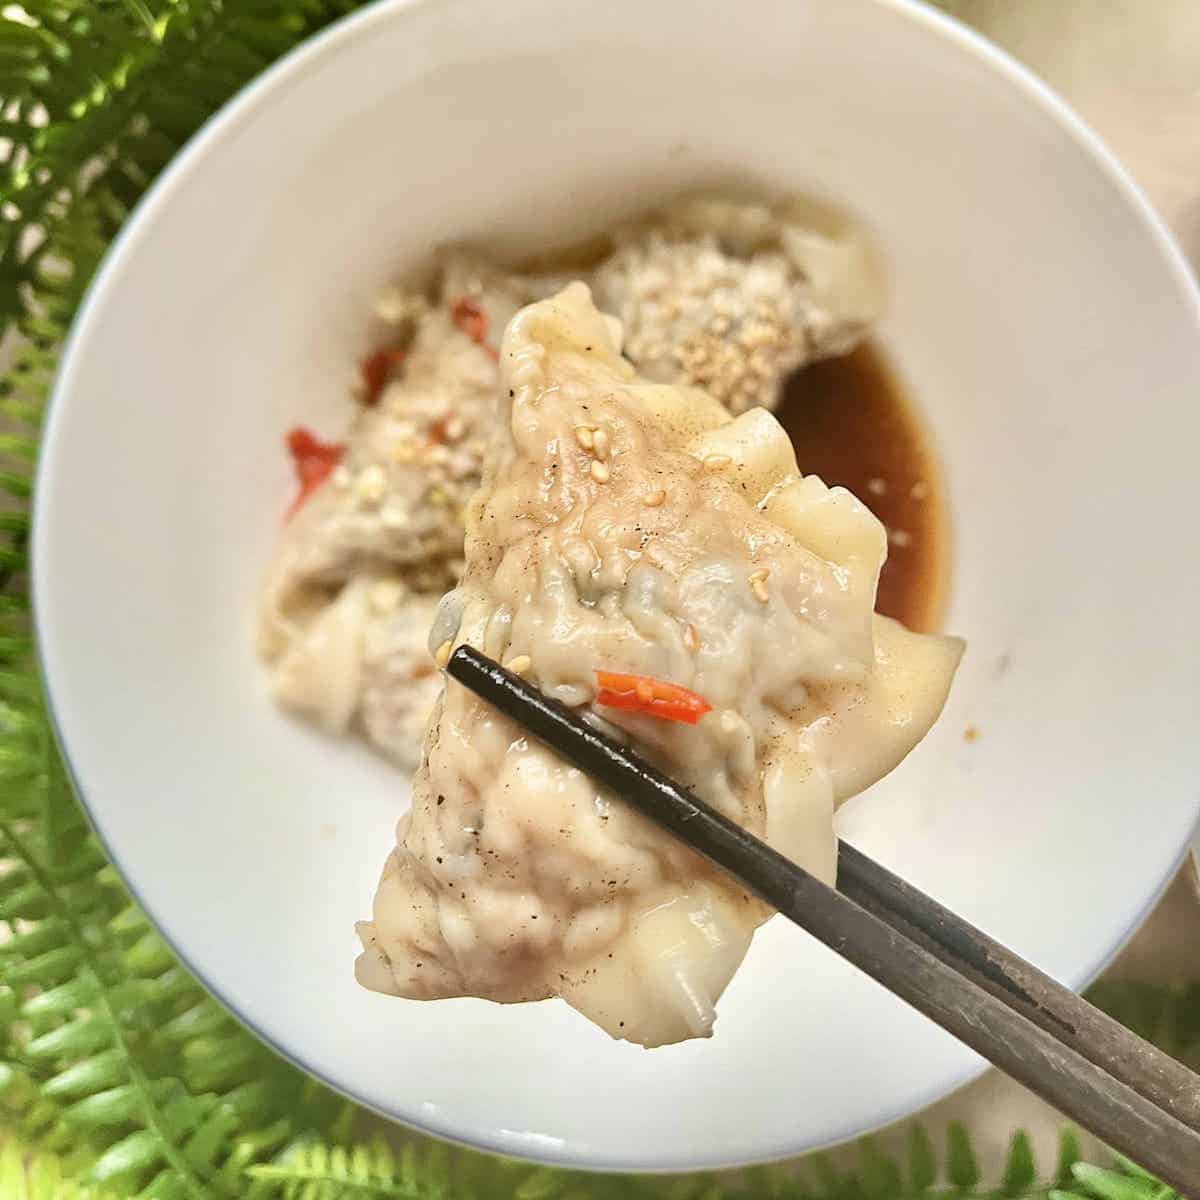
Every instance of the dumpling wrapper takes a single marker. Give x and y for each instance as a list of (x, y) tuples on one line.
[(695, 554)]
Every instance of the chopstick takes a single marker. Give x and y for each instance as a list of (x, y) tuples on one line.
[(1161, 1079), (1114, 1084)]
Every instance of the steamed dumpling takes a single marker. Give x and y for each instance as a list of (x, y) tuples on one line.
[(733, 296), (631, 526)]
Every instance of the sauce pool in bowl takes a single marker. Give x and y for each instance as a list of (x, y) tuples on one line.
[(853, 424)]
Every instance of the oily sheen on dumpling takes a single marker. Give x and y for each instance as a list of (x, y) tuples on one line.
[(631, 526)]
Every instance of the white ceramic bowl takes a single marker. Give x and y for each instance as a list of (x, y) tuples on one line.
[(1039, 313)]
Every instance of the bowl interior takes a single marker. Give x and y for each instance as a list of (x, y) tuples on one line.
[(1037, 313)]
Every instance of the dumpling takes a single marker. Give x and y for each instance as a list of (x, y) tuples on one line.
[(726, 294), (631, 527), (733, 296)]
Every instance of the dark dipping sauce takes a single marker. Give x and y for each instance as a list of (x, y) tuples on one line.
[(852, 424)]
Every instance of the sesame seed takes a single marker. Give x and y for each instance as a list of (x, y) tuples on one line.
[(714, 462), (583, 435), (758, 584), (599, 471), (371, 484), (919, 490), (691, 639), (655, 498), (519, 664), (385, 595), (899, 537), (600, 443), (442, 654), (877, 487)]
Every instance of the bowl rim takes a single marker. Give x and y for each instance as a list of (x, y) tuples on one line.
[(267, 88)]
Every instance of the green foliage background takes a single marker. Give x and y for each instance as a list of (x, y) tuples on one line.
[(119, 1075)]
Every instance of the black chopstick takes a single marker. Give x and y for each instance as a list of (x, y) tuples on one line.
[(1031, 992), (920, 951)]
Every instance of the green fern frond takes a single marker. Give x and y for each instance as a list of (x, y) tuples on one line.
[(25, 1176), (316, 1170), (1124, 1181)]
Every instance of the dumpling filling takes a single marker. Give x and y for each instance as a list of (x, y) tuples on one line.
[(634, 529)]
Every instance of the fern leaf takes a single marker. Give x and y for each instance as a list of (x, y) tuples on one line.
[(131, 1155), (1020, 1170), (879, 1176), (1117, 1184), (543, 1184), (922, 1165), (1068, 1156), (114, 1106), (86, 1076), (335, 1171), (27, 1175)]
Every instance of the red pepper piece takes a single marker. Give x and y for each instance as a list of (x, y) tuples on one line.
[(470, 318), (473, 321), (376, 370), (654, 697), (313, 461)]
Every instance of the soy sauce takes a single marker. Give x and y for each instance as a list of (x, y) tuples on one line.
[(852, 424)]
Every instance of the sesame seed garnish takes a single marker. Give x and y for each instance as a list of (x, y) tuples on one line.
[(691, 639), (877, 487), (919, 490), (519, 664), (599, 471), (371, 484), (758, 584), (385, 595), (600, 443), (655, 498), (583, 435), (442, 654), (899, 537), (714, 462)]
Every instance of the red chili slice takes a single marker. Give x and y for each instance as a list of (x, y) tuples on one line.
[(654, 697), (469, 316), (313, 461), (376, 370)]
